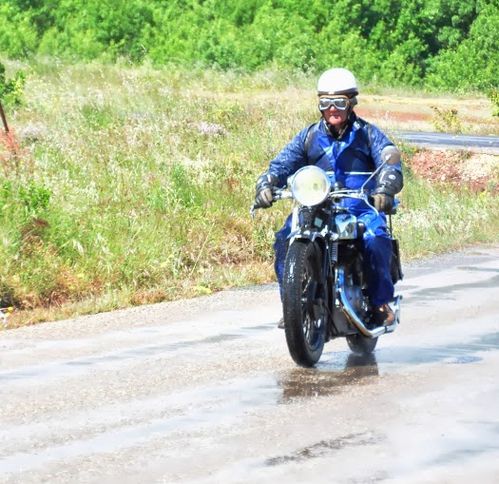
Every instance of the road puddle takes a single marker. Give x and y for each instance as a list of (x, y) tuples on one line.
[(329, 377), (346, 369), (459, 353), (448, 292)]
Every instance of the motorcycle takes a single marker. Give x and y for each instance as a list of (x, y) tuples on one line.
[(324, 286)]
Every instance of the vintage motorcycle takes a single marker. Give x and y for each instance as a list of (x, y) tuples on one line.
[(324, 287)]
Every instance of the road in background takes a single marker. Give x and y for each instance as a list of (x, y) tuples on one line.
[(486, 144)]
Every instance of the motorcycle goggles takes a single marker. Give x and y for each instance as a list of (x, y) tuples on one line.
[(339, 103)]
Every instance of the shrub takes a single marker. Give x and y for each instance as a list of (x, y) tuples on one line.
[(446, 120), (494, 99), (12, 90)]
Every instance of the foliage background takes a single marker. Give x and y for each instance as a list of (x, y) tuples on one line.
[(140, 126), (130, 185), (438, 44)]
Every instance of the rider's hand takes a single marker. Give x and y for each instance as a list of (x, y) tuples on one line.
[(383, 202), (264, 197)]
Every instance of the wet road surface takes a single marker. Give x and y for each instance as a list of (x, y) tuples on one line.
[(205, 391)]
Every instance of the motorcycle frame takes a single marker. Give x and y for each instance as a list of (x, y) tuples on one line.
[(342, 319), (337, 277)]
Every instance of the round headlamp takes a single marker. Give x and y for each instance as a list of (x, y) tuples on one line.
[(310, 186)]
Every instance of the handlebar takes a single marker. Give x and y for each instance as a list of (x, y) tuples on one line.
[(391, 157), (285, 193)]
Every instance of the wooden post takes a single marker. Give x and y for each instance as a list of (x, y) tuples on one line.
[(4, 119)]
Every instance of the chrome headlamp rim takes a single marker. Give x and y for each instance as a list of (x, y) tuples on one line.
[(310, 186)]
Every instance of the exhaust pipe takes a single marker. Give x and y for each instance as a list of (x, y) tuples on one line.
[(356, 321)]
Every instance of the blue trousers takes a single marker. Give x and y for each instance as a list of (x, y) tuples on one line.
[(377, 256)]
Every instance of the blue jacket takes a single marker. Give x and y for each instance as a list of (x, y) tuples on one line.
[(352, 157)]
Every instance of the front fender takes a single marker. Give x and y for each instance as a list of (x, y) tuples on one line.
[(311, 235)]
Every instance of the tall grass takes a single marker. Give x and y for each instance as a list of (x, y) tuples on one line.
[(438, 218), (133, 185)]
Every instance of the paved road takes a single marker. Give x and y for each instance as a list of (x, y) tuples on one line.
[(487, 144), (204, 391)]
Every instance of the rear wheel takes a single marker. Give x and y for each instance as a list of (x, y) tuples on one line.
[(303, 303), (360, 344)]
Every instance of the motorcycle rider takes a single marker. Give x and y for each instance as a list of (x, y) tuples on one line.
[(350, 147)]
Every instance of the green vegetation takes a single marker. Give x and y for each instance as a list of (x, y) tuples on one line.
[(446, 120), (494, 99), (438, 218), (133, 184), (11, 90), (436, 44), (130, 165)]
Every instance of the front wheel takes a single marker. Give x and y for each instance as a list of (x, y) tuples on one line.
[(360, 344), (303, 303)]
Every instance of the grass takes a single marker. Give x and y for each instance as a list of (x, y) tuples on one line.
[(132, 185), (434, 219)]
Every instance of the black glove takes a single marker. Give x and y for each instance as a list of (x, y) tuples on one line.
[(264, 197), (383, 202)]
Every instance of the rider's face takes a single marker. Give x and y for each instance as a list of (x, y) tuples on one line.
[(335, 117)]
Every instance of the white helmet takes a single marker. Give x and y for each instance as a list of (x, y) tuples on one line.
[(337, 81)]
